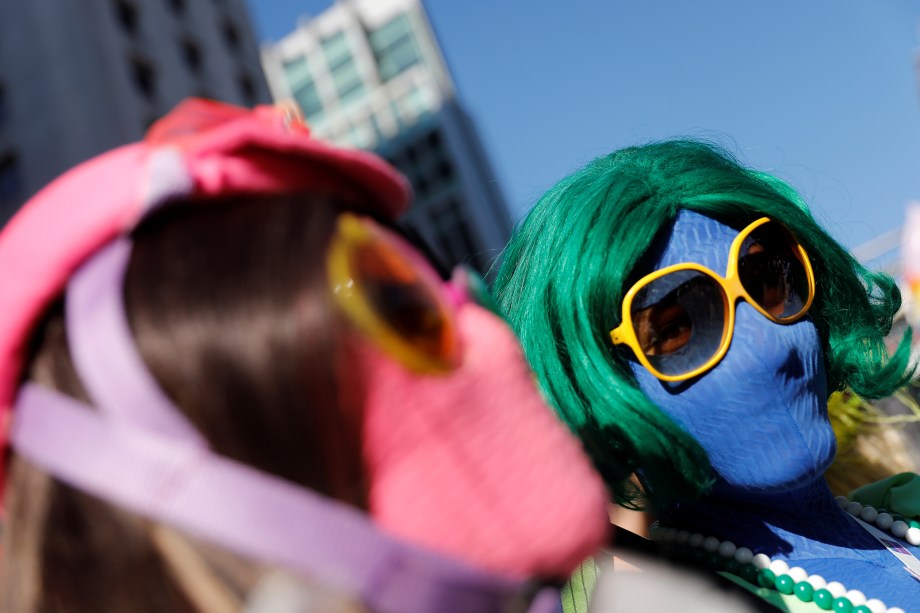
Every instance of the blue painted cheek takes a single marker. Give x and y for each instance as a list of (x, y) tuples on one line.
[(761, 413)]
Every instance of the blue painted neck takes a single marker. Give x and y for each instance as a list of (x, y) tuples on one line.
[(799, 524)]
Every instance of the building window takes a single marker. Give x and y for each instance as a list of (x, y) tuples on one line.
[(375, 126), (412, 154), (126, 12), (454, 236), (247, 89), (296, 71), (397, 116), (433, 140), (191, 55), (303, 88), (431, 147), (144, 77), (421, 186), (445, 171), (10, 180), (415, 103), (4, 106), (336, 49), (348, 82), (394, 47), (231, 35), (424, 160), (441, 177), (344, 70), (307, 98), (361, 135)]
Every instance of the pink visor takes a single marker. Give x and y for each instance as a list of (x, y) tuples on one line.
[(201, 150)]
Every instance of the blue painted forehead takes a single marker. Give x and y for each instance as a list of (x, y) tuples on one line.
[(695, 238)]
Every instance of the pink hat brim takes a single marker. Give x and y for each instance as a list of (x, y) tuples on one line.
[(242, 152)]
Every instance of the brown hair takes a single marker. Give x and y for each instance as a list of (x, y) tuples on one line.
[(229, 308)]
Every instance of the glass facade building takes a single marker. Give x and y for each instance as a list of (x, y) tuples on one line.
[(370, 74)]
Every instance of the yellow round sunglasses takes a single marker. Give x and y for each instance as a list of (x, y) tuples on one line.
[(392, 295), (679, 320)]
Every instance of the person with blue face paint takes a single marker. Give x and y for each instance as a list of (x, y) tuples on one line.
[(688, 318)]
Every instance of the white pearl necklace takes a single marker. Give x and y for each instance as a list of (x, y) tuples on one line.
[(884, 520), (779, 569)]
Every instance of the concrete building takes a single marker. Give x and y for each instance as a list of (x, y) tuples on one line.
[(77, 78), (369, 73)]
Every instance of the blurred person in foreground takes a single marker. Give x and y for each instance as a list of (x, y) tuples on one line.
[(229, 386)]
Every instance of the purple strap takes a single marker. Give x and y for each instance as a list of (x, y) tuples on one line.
[(249, 512), (103, 350), (138, 451)]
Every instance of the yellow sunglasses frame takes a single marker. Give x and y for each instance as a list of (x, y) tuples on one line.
[(732, 291), (353, 230)]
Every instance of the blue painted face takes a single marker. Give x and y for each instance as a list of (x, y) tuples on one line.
[(761, 413)]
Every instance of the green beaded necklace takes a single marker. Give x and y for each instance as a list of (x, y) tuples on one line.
[(759, 571)]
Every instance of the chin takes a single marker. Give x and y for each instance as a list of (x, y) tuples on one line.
[(786, 477)]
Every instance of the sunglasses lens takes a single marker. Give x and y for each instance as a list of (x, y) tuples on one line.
[(404, 296), (771, 271), (679, 320)]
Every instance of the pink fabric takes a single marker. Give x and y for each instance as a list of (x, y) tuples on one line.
[(473, 464), (42, 245), (238, 152)]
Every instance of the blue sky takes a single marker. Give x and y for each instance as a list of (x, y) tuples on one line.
[(824, 93)]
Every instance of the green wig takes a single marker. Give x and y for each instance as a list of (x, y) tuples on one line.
[(571, 261)]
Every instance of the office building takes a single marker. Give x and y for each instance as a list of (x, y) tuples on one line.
[(370, 74), (77, 78)]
